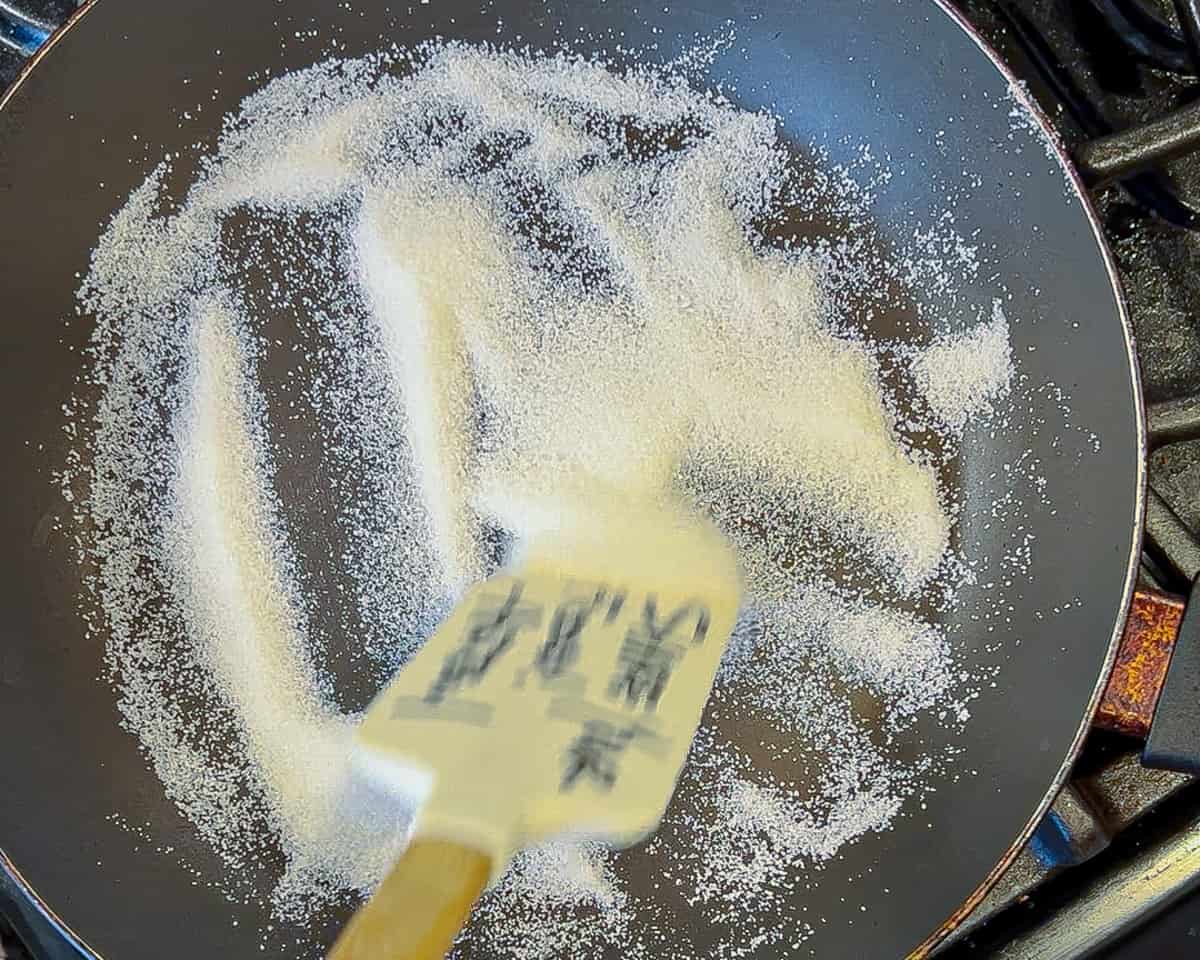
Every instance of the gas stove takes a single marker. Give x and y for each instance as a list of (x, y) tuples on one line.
[(1114, 868)]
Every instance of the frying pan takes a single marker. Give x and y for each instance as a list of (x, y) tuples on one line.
[(102, 101)]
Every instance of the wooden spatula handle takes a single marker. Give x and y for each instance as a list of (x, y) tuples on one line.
[(419, 908)]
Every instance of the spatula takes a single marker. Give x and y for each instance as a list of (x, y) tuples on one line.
[(559, 698)]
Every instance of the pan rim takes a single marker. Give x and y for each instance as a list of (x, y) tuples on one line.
[(1080, 191), (1034, 111), (9, 868)]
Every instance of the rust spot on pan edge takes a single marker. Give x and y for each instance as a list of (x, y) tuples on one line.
[(1128, 703)]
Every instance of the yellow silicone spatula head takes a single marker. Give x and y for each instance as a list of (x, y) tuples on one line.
[(560, 697)]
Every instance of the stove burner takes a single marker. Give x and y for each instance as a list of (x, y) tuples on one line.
[(1152, 39), (21, 31)]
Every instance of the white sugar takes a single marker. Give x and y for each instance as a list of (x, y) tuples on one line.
[(960, 376), (226, 553), (486, 277)]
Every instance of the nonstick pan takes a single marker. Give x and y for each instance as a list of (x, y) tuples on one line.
[(102, 102)]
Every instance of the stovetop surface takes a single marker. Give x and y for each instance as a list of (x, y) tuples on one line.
[(1160, 268)]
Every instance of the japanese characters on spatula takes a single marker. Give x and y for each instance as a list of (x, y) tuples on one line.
[(559, 698)]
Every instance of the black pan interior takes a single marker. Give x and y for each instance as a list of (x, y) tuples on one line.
[(83, 128)]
